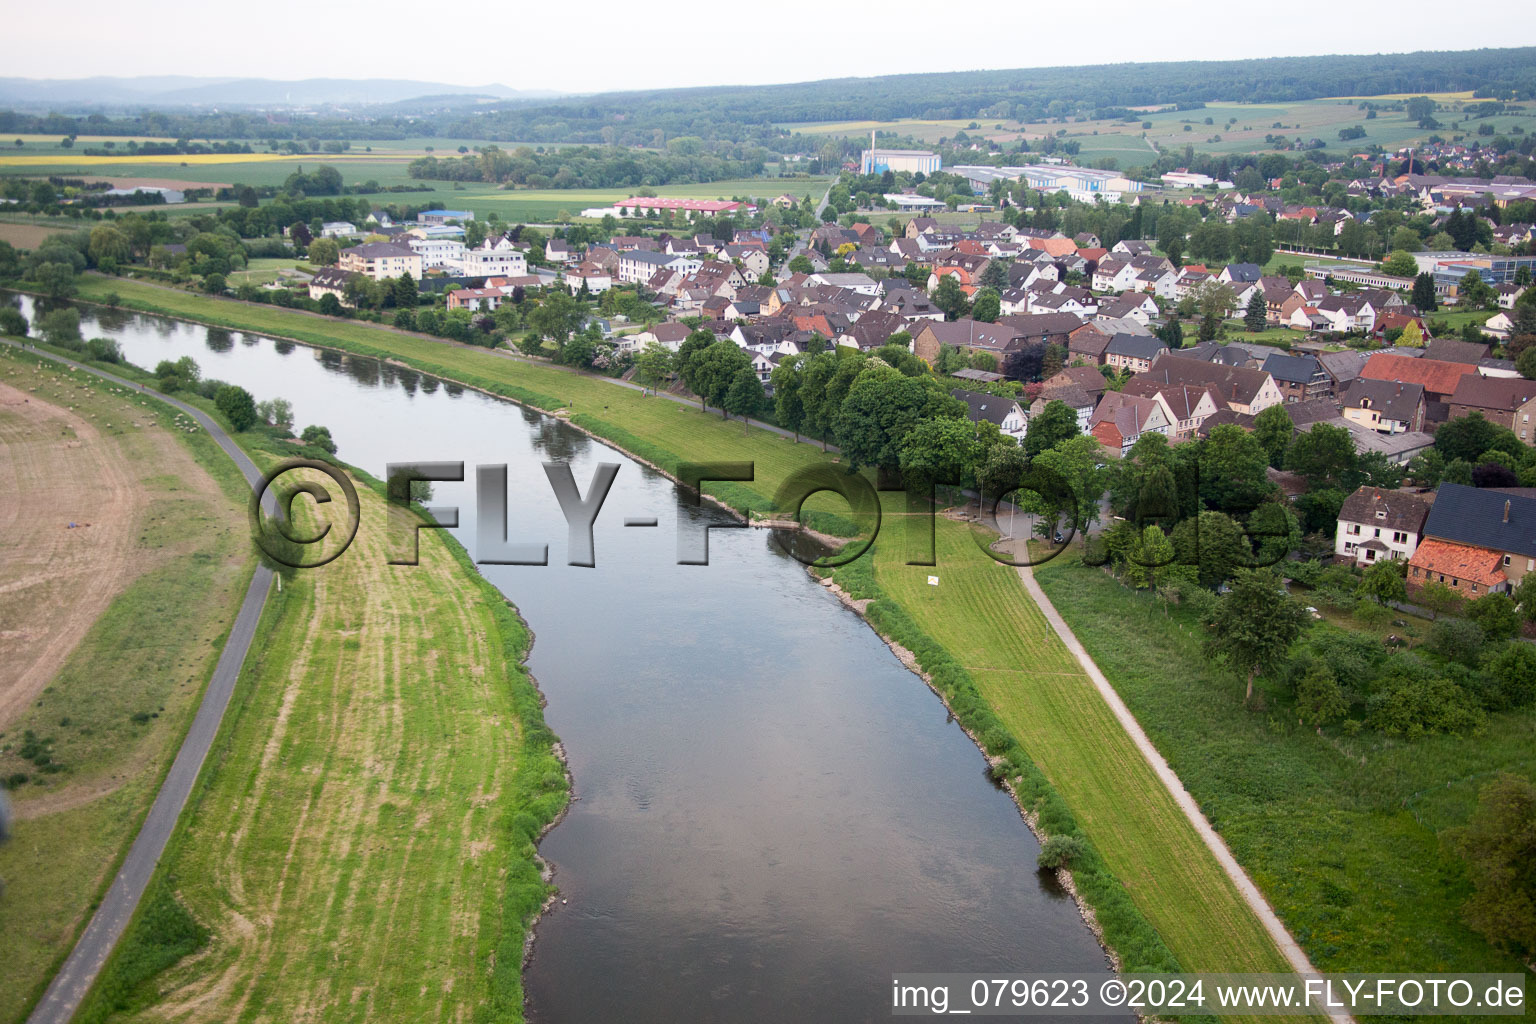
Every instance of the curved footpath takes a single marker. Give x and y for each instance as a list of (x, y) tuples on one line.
[(1288, 946), (75, 978)]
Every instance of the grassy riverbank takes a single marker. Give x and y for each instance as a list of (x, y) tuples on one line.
[(362, 839), (112, 630), (1340, 831), (984, 620)]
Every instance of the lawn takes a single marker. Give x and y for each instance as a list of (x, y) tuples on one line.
[(996, 629), (116, 708), (381, 777), (1341, 832)]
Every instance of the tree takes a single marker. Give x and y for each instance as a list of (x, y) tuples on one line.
[(987, 307), (1078, 463), (61, 327), (1498, 844), (404, 292), (320, 437), (1256, 625), (1497, 614), (1257, 313), (12, 322), (1002, 466), (1319, 698), (55, 280), (558, 317), (1151, 559), (1232, 470), (1400, 264), (1424, 298), (1213, 545), (714, 370), (237, 405), (1468, 437), (108, 243), (949, 297), (1325, 455), (1273, 429), (1411, 337), (1384, 581), (882, 406), (995, 276), (1437, 597), (939, 451), (1056, 423), (745, 396), (801, 264), (1526, 364), (653, 366), (788, 401), (324, 252)]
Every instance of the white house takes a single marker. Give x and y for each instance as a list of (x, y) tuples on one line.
[(338, 229), (380, 260), (1006, 413), (437, 252), (495, 257), (1375, 525)]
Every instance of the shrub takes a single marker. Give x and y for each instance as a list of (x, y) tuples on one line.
[(13, 322), (1059, 852), (237, 406), (104, 350), (1457, 640)]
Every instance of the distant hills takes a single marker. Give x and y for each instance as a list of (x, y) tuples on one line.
[(172, 91)]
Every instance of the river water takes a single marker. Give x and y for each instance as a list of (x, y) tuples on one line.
[(772, 815)]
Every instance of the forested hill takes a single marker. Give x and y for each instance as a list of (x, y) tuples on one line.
[(746, 112)]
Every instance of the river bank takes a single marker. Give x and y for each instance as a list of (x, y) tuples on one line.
[(1139, 855)]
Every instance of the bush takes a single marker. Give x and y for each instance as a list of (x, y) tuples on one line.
[(238, 407), (104, 350), (13, 322), (1457, 640), (1059, 852)]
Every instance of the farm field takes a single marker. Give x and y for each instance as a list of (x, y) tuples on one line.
[(382, 774), (1131, 145), (134, 604), (1340, 831), (668, 433)]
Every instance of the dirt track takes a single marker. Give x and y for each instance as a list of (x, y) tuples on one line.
[(56, 468)]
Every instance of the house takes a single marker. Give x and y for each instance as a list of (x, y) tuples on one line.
[(338, 229), (437, 252), (1276, 291), (1120, 420), (558, 250), (1342, 367), (1375, 524), (476, 299), (1347, 313), (1132, 247), (1454, 350), (380, 261), (862, 284), (590, 276), (1241, 389), (753, 259), (1470, 570), (1499, 325), (1238, 274), (1138, 307), (1043, 328), (1438, 378), (1507, 401), (669, 335), (1005, 413), (1090, 380), (1073, 397), (497, 257), (967, 335), (638, 266), (1186, 406), (1300, 378), (1386, 406), (1488, 521), (1133, 352), (330, 281)]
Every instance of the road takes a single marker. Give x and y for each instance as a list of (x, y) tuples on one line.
[(107, 925)]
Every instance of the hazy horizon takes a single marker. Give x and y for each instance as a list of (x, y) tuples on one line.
[(109, 40)]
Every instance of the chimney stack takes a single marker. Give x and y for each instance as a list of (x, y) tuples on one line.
[(1506, 511)]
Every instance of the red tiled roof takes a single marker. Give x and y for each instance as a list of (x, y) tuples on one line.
[(1464, 562), (1433, 374)]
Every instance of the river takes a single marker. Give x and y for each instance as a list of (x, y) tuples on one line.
[(772, 815)]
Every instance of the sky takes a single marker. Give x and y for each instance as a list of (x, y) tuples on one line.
[(602, 45)]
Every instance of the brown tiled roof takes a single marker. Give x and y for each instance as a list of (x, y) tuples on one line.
[(1400, 510), (1505, 394)]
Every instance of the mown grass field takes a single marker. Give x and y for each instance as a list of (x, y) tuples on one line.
[(982, 615), (996, 629), (117, 708), (1340, 831), (361, 845)]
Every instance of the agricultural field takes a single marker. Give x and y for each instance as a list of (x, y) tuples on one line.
[(112, 629), (1341, 832), (382, 774), (1235, 128)]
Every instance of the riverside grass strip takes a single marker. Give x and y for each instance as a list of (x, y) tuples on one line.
[(1139, 830), (361, 843)]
